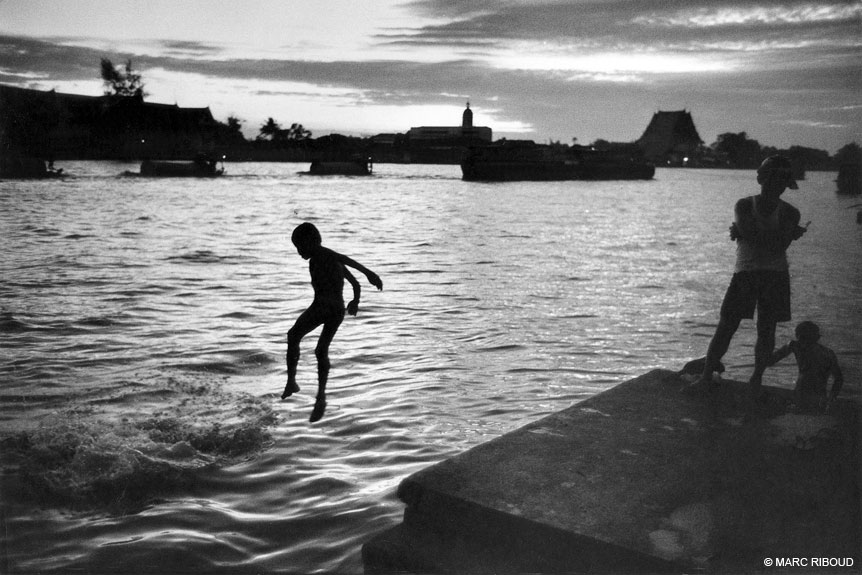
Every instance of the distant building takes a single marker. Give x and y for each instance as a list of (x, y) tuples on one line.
[(385, 139), (51, 124), (465, 134), (670, 138)]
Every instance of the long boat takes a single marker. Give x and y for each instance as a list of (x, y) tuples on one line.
[(198, 168), (526, 160), (353, 167)]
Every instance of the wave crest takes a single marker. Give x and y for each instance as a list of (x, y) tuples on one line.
[(121, 464)]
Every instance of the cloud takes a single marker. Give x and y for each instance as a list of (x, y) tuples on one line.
[(816, 124), (641, 43), (631, 26), (588, 68), (755, 15)]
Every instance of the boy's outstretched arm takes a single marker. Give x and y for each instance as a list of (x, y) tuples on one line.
[(373, 278), (353, 306), (780, 353), (837, 375)]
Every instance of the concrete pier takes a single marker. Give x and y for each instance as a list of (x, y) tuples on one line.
[(640, 478)]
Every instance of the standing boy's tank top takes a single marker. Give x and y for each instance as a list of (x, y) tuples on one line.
[(751, 257)]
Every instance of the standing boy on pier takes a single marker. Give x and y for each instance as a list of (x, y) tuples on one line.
[(764, 226), (328, 271)]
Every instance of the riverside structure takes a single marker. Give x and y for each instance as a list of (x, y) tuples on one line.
[(639, 479)]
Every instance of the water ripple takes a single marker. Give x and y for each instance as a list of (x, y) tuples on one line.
[(143, 344)]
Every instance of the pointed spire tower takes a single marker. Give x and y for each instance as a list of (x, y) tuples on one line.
[(467, 117)]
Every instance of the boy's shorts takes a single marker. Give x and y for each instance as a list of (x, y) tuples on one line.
[(768, 291)]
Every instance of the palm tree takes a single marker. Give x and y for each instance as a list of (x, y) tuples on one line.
[(269, 130), (297, 132), (121, 82), (234, 124)]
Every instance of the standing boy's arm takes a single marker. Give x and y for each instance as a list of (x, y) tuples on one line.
[(373, 278), (778, 240), (790, 230), (743, 220), (353, 306)]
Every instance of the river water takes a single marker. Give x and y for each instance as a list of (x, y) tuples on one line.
[(143, 321)]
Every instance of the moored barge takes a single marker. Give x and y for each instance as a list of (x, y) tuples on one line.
[(526, 160)]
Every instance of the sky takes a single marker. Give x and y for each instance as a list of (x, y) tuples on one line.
[(785, 73)]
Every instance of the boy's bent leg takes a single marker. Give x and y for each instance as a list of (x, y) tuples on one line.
[(773, 305), (292, 359), (304, 324), (763, 348), (718, 346), (739, 302)]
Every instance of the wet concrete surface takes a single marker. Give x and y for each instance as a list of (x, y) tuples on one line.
[(640, 478)]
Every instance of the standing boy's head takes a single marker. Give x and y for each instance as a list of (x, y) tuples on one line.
[(807, 332), (776, 171), (306, 238)]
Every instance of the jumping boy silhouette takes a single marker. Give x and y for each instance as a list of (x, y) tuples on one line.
[(328, 271)]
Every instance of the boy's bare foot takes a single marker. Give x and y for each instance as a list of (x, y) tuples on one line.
[(289, 390), (319, 408)]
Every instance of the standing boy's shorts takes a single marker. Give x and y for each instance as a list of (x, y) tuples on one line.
[(767, 290)]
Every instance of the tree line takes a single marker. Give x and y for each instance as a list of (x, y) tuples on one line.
[(124, 81), (735, 150), (743, 152)]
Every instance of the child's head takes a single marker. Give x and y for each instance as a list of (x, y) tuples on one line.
[(306, 238), (778, 168), (807, 332)]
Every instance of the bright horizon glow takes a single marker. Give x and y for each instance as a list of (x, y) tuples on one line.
[(337, 105)]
